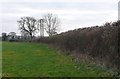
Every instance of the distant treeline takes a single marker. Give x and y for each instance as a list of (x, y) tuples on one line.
[(99, 42)]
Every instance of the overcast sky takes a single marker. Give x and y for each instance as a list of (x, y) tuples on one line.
[(72, 13)]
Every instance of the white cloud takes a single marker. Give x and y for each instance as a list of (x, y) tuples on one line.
[(73, 13), (59, 1)]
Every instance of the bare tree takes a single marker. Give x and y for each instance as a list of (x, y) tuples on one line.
[(27, 25), (51, 24)]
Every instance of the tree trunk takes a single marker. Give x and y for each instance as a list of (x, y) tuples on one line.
[(31, 36)]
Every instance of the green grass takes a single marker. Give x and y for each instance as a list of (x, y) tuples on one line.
[(0, 59), (38, 60)]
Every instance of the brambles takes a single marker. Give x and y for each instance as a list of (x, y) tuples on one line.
[(99, 42)]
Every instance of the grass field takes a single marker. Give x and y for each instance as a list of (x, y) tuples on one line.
[(0, 59), (38, 60)]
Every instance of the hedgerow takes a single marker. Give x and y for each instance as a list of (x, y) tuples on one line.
[(99, 42)]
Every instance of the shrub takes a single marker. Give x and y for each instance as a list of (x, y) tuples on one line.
[(99, 42)]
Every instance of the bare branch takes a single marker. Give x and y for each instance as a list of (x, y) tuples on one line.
[(27, 24), (52, 23)]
